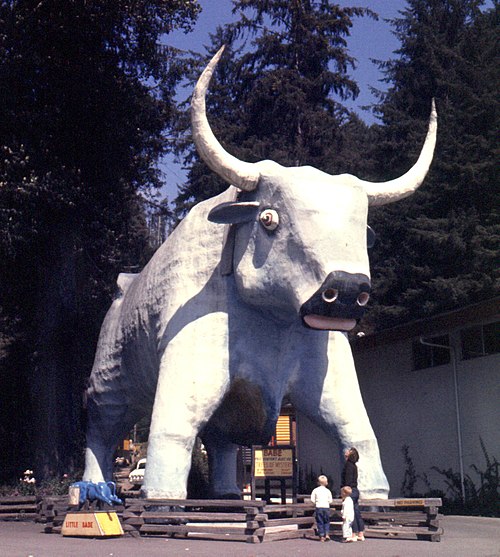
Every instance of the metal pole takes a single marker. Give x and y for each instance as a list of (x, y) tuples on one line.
[(457, 408)]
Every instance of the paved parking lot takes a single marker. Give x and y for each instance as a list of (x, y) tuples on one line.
[(463, 537)]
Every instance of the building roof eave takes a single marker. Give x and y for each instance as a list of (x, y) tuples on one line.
[(432, 326)]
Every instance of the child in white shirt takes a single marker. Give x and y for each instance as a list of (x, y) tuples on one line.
[(321, 496), (347, 514)]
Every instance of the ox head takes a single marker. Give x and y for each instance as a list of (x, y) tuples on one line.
[(300, 235)]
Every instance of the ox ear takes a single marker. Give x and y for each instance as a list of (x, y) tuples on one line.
[(234, 212)]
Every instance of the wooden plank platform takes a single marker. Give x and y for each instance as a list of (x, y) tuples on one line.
[(258, 521), (395, 518), (249, 521)]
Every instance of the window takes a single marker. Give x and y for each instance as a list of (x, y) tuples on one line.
[(480, 340), (425, 356), (285, 432)]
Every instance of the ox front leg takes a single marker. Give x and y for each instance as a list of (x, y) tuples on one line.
[(192, 381), (334, 403)]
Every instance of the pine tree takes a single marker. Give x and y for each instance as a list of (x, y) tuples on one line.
[(86, 93), (437, 249), (280, 88)]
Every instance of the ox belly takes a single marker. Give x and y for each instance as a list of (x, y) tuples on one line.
[(242, 417)]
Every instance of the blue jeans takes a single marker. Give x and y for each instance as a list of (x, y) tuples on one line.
[(323, 521), (358, 524)]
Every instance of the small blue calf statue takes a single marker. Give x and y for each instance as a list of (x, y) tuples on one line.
[(102, 491)]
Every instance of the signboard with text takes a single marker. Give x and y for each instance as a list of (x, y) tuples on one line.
[(273, 462), (93, 524)]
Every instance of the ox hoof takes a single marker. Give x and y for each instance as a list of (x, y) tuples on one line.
[(166, 508), (232, 496), (169, 509)]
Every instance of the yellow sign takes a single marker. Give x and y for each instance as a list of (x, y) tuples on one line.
[(95, 525), (409, 502), (273, 462)]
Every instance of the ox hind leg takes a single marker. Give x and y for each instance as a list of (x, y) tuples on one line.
[(222, 458), (106, 427), (334, 403)]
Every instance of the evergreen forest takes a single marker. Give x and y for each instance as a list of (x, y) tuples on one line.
[(90, 105)]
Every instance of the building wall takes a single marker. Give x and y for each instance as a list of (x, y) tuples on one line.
[(317, 453), (417, 409)]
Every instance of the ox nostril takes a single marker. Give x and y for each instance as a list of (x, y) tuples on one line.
[(330, 295), (363, 298)]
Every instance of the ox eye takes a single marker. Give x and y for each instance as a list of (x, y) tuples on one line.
[(269, 219), (370, 237)]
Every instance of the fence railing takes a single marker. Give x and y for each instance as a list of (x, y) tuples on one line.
[(18, 508)]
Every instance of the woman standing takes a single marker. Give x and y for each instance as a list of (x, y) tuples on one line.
[(350, 478)]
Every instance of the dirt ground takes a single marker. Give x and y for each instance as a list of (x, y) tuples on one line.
[(463, 537)]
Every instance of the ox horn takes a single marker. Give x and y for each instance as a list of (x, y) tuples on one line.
[(241, 174), (399, 188)]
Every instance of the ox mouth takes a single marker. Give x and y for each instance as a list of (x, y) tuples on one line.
[(323, 323), (338, 304)]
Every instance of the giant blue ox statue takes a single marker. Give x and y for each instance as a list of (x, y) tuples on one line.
[(247, 301)]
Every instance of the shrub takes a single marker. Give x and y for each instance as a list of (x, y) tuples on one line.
[(27, 485), (480, 500)]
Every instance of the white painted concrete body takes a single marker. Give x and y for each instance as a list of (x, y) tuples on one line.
[(213, 350)]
